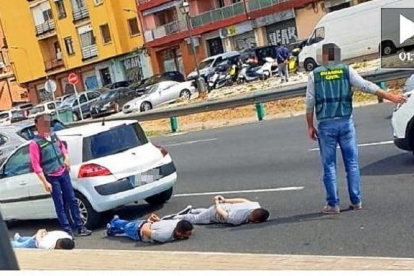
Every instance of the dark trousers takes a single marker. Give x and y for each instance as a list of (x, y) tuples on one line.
[(63, 194)]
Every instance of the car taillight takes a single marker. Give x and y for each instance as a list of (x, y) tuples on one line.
[(92, 170), (163, 151)]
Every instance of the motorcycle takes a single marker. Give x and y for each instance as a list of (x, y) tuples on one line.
[(250, 73), (221, 77)]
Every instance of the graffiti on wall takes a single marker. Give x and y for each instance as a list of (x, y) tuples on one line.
[(133, 68)]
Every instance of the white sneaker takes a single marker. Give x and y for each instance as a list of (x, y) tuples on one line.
[(16, 237)]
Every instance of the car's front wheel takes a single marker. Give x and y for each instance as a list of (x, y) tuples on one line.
[(75, 117), (146, 106), (89, 216), (160, 198), (185, 95)]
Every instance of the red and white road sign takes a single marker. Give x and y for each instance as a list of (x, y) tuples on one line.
[(73, 79)]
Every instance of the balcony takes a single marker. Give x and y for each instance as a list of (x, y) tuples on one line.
[(215, 15), (80, 14), (255, 5), (166, 30), (45, 27), (89, 52), (54, 64)]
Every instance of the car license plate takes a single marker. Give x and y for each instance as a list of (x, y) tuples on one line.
[(146, 177)]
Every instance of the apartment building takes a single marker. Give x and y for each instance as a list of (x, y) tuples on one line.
[(11, 94), (224, 25), (99, 40)]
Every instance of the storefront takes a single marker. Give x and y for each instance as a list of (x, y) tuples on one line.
[(280, 27), (214, 43), (241, 36), (136, 66)]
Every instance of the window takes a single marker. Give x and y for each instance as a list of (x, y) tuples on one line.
[(47, 15), (105, 33), (69, 46), (113, 141), (60, 6), (318, 36), (18, 164), (51, 106), (82, 100), (93, 95), (133, 26), (105, 76)]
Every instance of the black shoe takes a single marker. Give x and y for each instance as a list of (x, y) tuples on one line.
[(83, 232)]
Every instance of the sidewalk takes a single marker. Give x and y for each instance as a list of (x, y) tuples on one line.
[(159, 260)]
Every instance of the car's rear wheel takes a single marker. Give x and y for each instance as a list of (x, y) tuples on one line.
[(185, 95), (310, 65), (89, 216), (146, 106), (75, 117), (388, 48), (160, 198)]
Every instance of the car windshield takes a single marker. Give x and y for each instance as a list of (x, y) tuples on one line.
[(4, 115), (113, 141), (205, 63), (108, 95), (37, 109), (68, 101)]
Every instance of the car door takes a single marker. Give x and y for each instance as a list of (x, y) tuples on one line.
[(172, 92), (15, 179), (166, 91), (91, 98), (83, 105)]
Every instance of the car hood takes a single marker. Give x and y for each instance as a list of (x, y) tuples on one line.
[(103, 102)]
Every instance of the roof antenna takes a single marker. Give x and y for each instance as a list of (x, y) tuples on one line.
[(103, 121)]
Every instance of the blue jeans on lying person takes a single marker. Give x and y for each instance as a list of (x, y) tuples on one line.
[(24, 242), (125, 228)]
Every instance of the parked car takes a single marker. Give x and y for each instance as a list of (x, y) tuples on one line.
[(403, 119), (118, 84), (112, 101), (167, 76), (163, 92), (43, 108), (14, 135), (208, 65), (86, 99), (101, 182), (64, 97), (25, 107), (12, 116)]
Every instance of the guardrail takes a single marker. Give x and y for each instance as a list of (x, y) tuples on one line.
[(260, 97)]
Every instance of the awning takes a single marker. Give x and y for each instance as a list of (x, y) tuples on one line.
[(162, 7)]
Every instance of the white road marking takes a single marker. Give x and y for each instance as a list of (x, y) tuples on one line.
[(191, 142), (243, 191), (365, 145)]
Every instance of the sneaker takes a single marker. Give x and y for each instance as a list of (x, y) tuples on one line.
[(82, 232), (356, 207), (331, 210), (16, 237), (186, 210), (108, 230)]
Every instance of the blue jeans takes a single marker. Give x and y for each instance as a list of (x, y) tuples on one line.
[(342, 132), (124, 228), (62, 192), (24, 242)]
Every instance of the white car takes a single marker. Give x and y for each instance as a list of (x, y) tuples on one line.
[(160, 93), (403, 119), (11, 116), (111, 165), (43, 108)]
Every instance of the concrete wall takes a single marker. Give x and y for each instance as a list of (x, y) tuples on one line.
[(306, 19)]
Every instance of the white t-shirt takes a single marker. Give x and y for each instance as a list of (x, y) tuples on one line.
[(50, 239), (239, 212), (163, 230)]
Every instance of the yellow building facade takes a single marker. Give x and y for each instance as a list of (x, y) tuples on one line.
[(99, 40)]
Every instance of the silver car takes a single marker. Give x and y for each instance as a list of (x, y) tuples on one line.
[(160, 93)]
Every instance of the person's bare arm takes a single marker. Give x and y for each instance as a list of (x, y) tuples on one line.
[(40, 234), (46, 184), (235, 200), (146, 230), (153, 218), (310, 108), (220, 210), (395, 98), (312, 132)]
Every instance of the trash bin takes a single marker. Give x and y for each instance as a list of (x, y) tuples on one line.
[(65, 115)]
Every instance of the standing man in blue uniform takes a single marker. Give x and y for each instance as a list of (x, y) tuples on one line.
[(329, 96)]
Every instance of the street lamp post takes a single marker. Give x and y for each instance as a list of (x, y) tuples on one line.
[(185, 10)]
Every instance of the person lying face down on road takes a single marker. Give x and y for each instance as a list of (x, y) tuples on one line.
[(151, 230), (45, 240), (234, 211)]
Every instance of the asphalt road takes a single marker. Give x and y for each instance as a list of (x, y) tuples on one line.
[(277, 154)]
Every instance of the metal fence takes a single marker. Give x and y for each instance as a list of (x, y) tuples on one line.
[(269, 95), (53, 64), (89, 51), (170, 28), (45, 27), (81, 13), (218, 14)]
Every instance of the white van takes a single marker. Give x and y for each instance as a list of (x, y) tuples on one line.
[(356, 30), (43, 108)]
